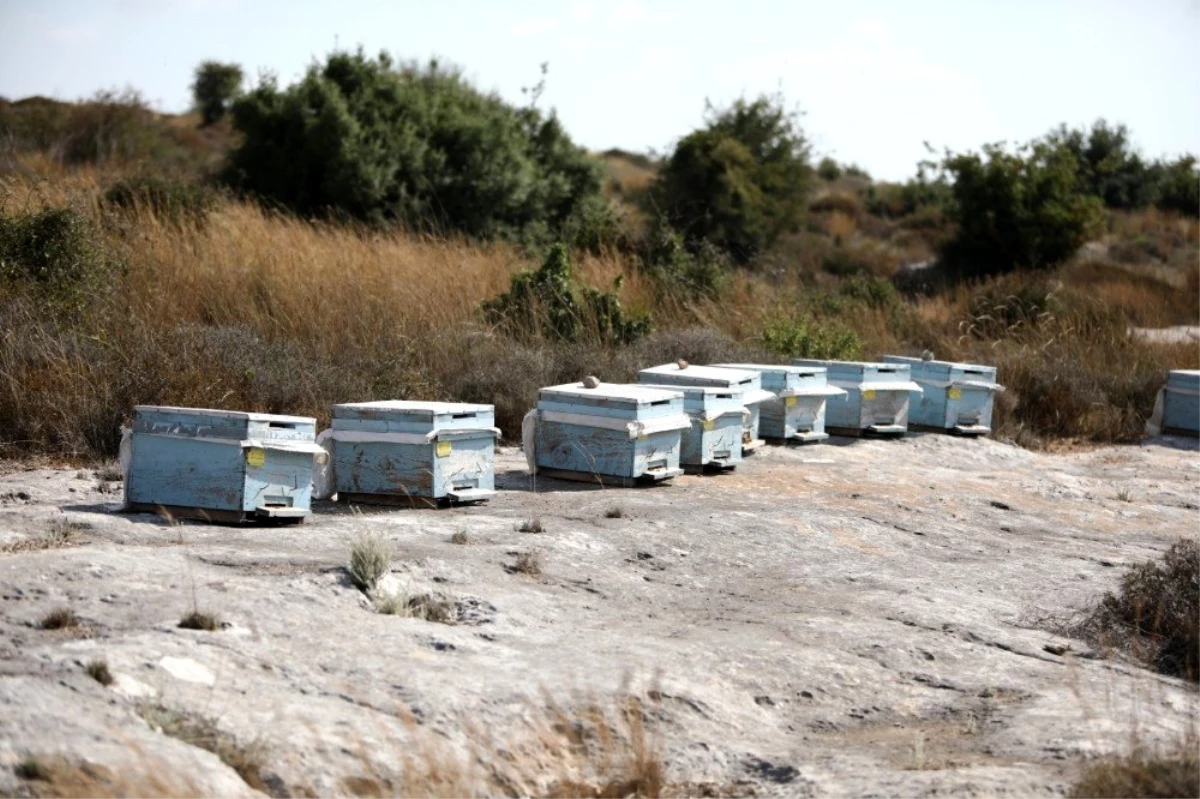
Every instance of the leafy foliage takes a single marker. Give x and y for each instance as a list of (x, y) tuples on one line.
[(214, 89), (741, 181), (1179, 186), (53, 253), (806, 336), (1109, 166), (380, 142), (547, 302), (678, 271), (1016, 210)]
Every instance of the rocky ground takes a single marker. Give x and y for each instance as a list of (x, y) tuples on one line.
[(846, 619)]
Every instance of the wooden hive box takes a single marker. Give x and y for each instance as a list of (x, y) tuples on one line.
[(876, 401), (215, 465), (612, 434), (797, 413), (955, 397), (714, 439), (409, 452), (750, 383), (1181, 402)]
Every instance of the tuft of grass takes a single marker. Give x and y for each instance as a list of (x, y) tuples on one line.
[(532, 525), (429, 607), (59, 619), (1155, 614), (61, 532), (198, 620), (1141, 774), (614, 512), (370, 559), (110, 473), (98, 671), (247, 760), (33, 769), (528, 562), (1124, 496), (460, 537)]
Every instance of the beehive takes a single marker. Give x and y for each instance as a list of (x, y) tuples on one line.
[(876, 401), (219, 465), (797, 412), (955, 397), (408, 452), (714, 439), (750, 383), (611, 434), (1181, 402)]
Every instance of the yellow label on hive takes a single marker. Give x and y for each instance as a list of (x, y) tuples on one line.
[(256, 457), (708, 425), (955, 393), (790, 402), (869, 394), (444, 448)]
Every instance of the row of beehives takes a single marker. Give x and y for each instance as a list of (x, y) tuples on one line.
[(226, 465)]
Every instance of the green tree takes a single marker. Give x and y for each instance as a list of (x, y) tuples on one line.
[(1109, 166), (1016, 210), (214, 89), (1179, 186), (418, 145), (740, 181)]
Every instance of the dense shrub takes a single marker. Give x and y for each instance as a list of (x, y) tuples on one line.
[(828, 169), (871, 291), (679, 272), (214, 89), (739, 182), (1016, 210), (1179, 186), (548, 303), (53, 253), (372, 140), (806, 336), (1108, 165), (169, 200), (1155, 615)]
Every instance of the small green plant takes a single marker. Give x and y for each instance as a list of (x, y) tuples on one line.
[(429, 607), (531, 525), (33, 769), (870, 291), (199, 620), (529, 563), (806, 336), (614, 512), (370, 559), (460, 537), (98, 671), (59, 619), (1124, 496)]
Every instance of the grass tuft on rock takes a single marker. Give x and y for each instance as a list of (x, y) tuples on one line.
[(199, 620), (59, 619), (370, 559)]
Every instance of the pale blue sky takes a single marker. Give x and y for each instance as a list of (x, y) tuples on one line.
[(875, 79)]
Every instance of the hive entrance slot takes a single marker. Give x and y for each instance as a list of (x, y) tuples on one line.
[(281, 425), (661, 402), (462, 416), (724, 396)]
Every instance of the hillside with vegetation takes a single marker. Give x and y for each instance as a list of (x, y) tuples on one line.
[(384, 229)]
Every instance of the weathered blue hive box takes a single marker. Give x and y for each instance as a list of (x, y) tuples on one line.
[(797, 412), (714, 440), (410, 452), (955, 397), (876, 401), (220, 465), (750, 383), (1181, 402), (611, 434)]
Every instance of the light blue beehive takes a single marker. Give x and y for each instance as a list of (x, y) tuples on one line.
[(797, 412), (876, 400), (612, 434), (1181, 402), (682, 373), (408, 452), (219, 465), (714, 439), (955, 397)]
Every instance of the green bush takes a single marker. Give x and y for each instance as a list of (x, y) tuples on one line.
[(1016, 210), (214, 89), (678, 272), (739, 182), (371, 140), (806, 336), (548, 303), (870, 291), (1179, 186), (828, 169), (1108, 165), (53, 253), (172, 201)]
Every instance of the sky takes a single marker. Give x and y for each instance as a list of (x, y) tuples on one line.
[(877, 82)]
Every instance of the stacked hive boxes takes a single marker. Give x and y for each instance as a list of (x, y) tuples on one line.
[(797, 412), (876, 400), (748, 382), (954, 397)]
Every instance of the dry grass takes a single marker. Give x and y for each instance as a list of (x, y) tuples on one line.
[(60, 619), (370, 560), (615, 512), (460, 537), (532, 525), (61, 532), (98, 671), (528, 563), (199, 620), (428, 607), (1142, 773), (246, 759)]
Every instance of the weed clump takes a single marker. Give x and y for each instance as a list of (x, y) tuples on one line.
[(528, 563), (460, 537), (370, 559), (806, 336), (614, 512), (247, 761), (1155, 615), (1140, 774), (98, 671), (429, 607), (60, 619), (532, 525), (198, 620)]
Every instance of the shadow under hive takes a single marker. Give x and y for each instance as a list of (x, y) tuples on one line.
[(216, 465)]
